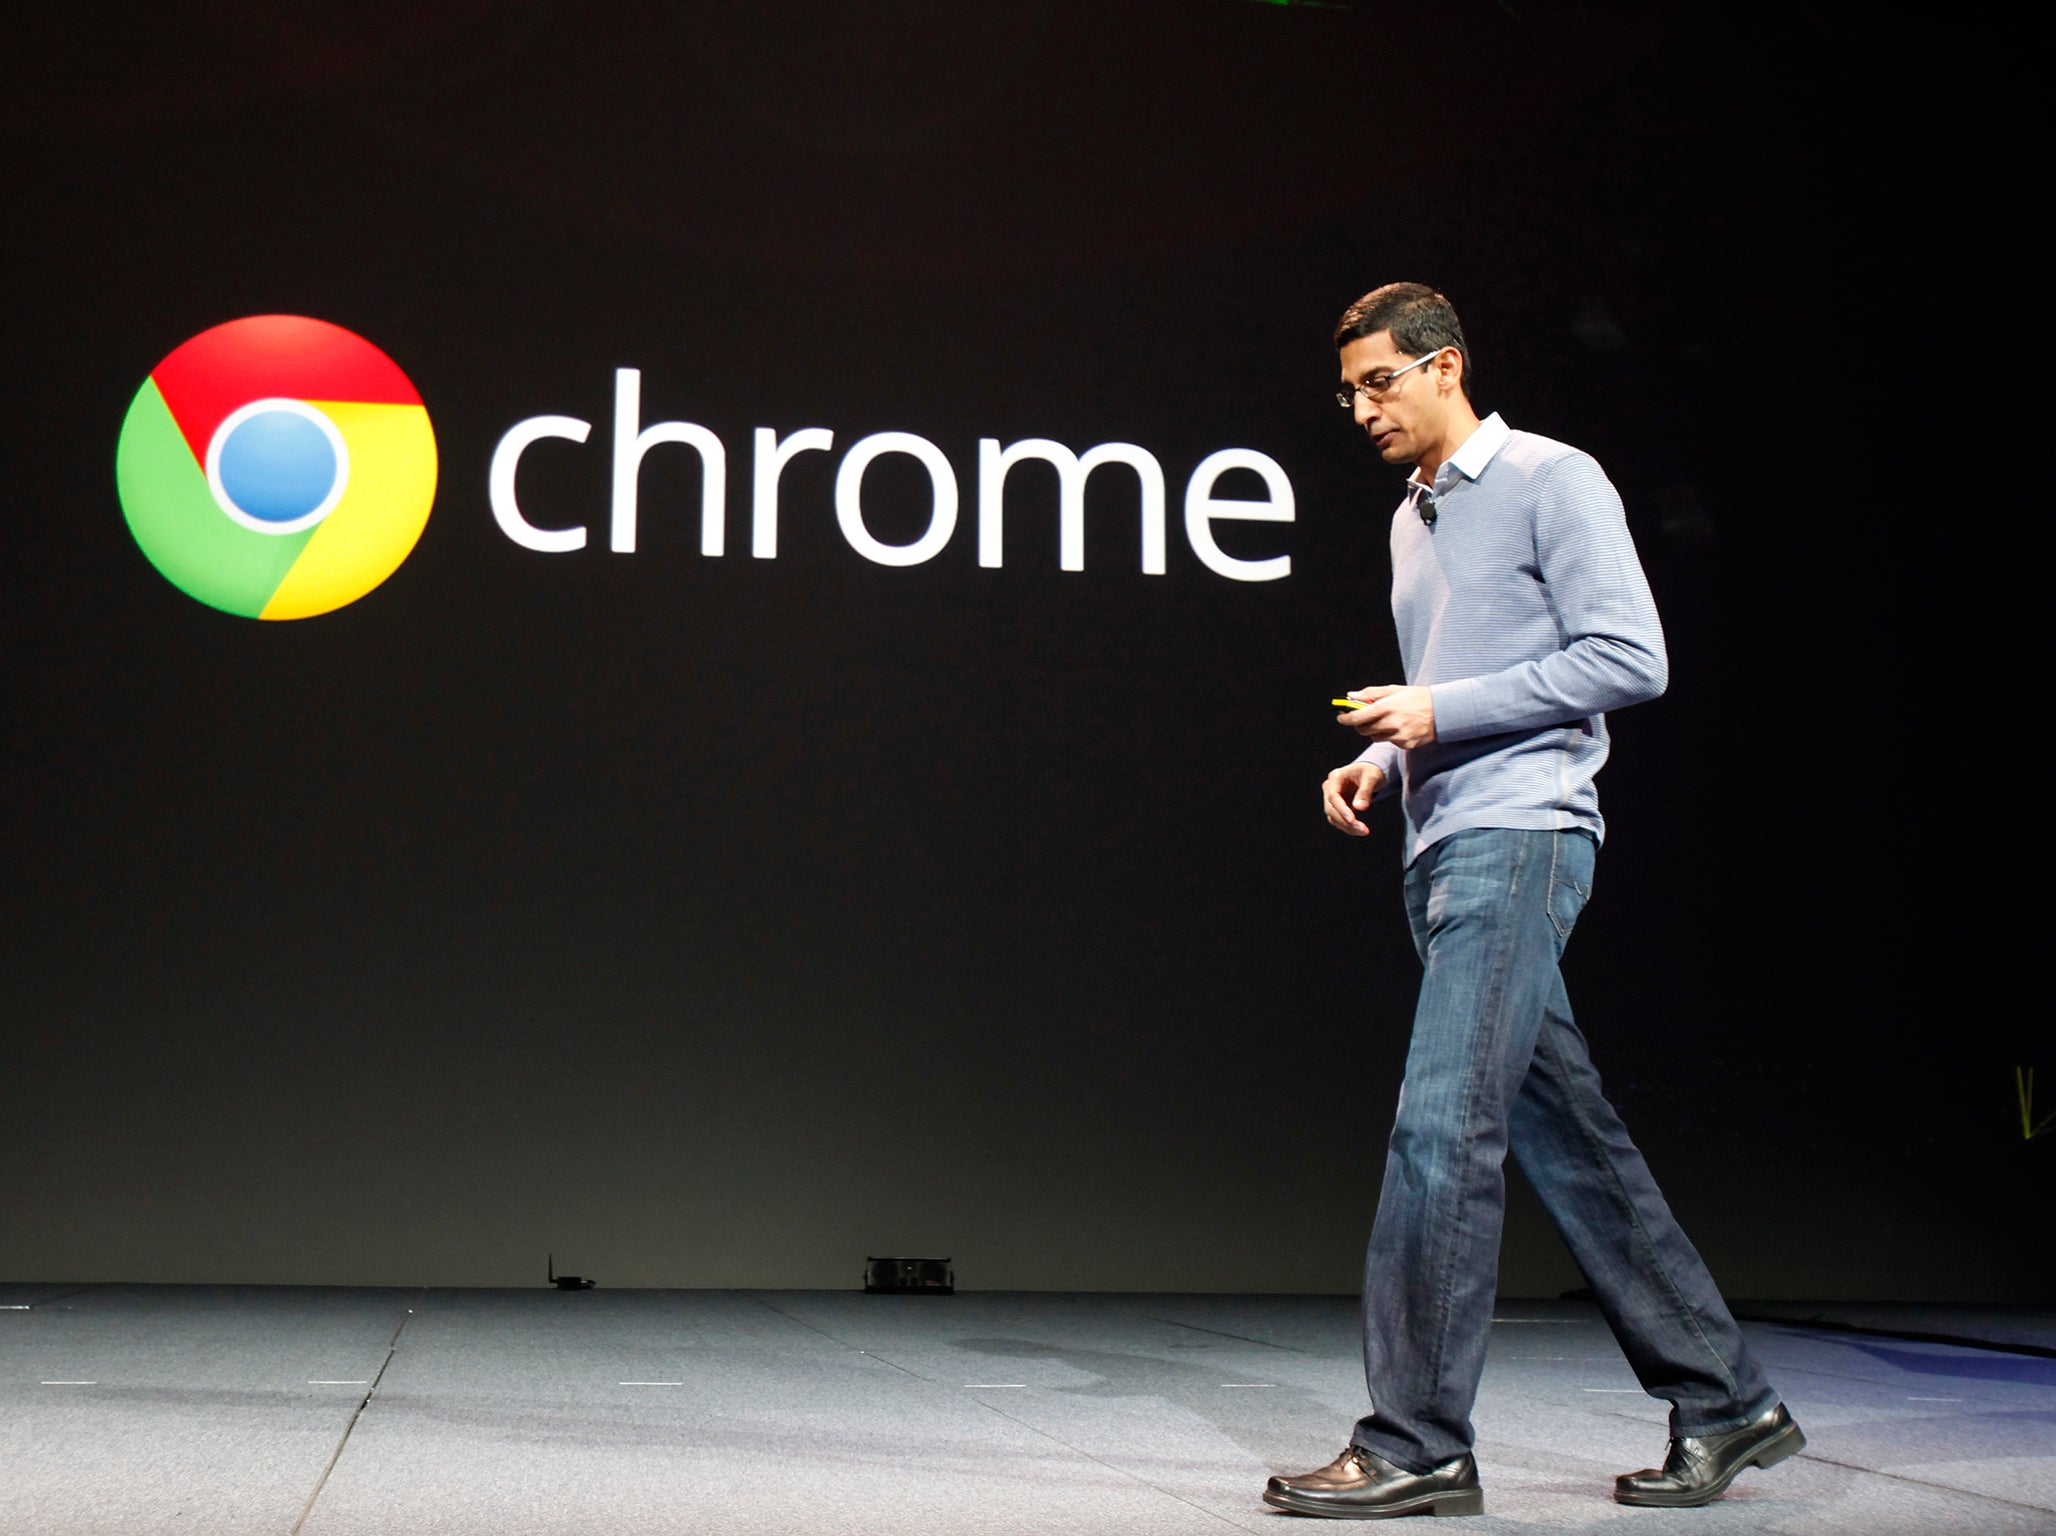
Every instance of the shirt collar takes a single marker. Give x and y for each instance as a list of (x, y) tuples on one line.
[(1470, 460)]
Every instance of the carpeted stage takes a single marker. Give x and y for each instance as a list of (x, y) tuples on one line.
[(135, 1410)]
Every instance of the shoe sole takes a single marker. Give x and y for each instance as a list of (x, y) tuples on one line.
[(1466, 1501), (1788, 1442)]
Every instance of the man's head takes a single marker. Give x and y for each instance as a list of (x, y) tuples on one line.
[(1407, 369)]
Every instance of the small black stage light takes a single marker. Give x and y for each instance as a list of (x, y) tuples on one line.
[(568, 1282), (909, 1277)]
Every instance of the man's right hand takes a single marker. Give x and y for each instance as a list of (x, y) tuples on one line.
[(1348, 790)]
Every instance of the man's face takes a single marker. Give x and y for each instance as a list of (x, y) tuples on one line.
[(1410, 418)]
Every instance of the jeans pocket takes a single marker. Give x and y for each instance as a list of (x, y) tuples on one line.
[(1567, 893)]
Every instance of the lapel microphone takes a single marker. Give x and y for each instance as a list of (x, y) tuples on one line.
[(1425, 505)]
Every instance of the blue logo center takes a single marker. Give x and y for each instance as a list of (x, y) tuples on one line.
[(277, 466)]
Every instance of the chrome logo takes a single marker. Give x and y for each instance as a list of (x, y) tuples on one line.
[(276, 467)]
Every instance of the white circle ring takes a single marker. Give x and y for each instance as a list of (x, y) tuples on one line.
[(306, 412)]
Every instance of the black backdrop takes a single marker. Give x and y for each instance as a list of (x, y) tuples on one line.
[(721, 921)]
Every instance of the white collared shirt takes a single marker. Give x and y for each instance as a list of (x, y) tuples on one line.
[(1469, 460)]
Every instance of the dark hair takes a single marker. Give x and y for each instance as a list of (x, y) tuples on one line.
[(1419, 318)]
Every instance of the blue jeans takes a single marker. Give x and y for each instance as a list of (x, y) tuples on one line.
[(1496, 1065)]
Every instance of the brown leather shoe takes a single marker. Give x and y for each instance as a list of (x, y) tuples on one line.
[(1360, 1485), (1700, 1467)]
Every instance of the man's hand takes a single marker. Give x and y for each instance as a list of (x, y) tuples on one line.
[(1401, 715), (1348, 790)]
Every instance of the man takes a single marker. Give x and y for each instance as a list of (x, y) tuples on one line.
[(1523, 616)]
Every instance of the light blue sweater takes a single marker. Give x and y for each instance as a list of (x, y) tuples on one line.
[(1524, 611)]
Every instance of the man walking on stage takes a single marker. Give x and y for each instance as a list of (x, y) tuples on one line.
[(1523, 617)]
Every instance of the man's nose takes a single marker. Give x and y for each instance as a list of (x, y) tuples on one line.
[(1366, 410)]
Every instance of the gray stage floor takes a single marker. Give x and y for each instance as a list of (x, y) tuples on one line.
[(128, 1410)]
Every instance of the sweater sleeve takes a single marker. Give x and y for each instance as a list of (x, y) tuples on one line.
[(1611, 653), (1384, 757)]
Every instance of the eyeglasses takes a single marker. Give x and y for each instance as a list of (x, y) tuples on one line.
[(1375, 386)]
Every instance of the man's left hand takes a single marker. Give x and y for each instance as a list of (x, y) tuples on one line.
[(1404, 716)]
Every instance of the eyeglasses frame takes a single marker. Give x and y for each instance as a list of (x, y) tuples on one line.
[(1346, 398)]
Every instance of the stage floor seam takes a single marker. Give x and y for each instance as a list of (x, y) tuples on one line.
[(363, 1404)]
